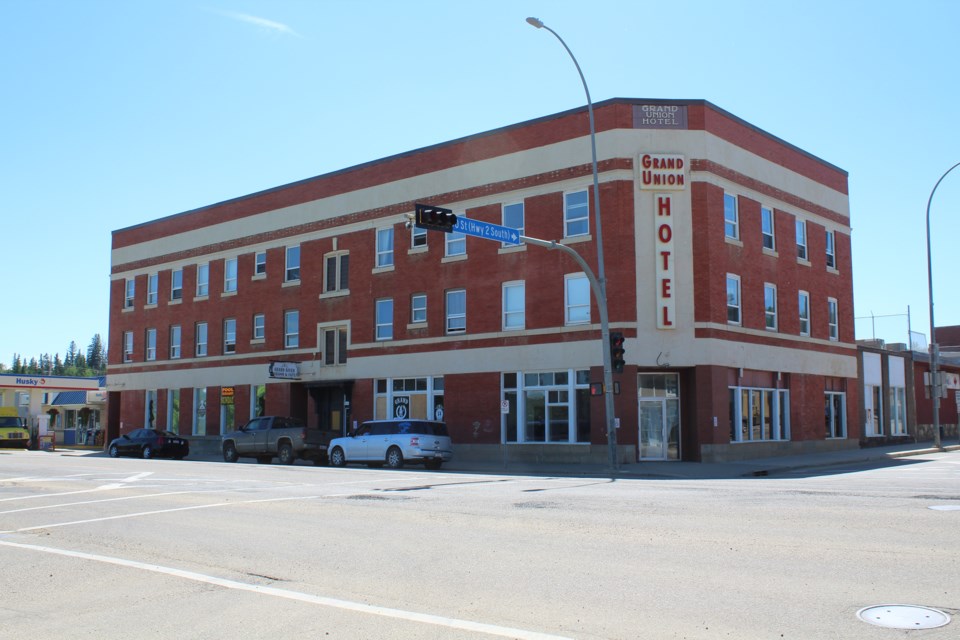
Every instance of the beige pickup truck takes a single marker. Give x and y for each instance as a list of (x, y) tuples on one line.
[(287, 439)]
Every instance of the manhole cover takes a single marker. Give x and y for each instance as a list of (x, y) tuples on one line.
[(903, 616)]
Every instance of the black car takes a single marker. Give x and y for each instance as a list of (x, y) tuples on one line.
[(150, 443)]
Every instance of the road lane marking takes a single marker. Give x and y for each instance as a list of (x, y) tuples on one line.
[(74, 504), (336, 603)]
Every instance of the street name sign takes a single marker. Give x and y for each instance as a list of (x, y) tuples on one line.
[(488, 230)]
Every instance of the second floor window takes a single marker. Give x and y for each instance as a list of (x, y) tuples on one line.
[(201, 339), (418, 308), (832, 321), (802, 239), (292, 273), (733, 299), (385, 247), (831, 250), (576, 299), (129, 292), (259, 326), (151, 344), (230, 335), (291, 329), (513, 217), (514, 301), (803, 304), (230, 275), (418, 237), (384, 320), (152, 283), (175, 342), (337, 268), (128, 346), (176, 284), (731, 219), (203, 280), (260, 263), (770, 306), (457, 311), (335, 346), (576, 214), (766, 228)]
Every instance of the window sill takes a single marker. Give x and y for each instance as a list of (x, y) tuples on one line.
[(291, 283), (385, 269), (513, 248), (577, 239), (415, 250), (334, 294), (258, 276), (257, 340), (734, 241), (770, 252), (834, 271), (150, 306), (228, 294), (416, 325), (805, 263), (177, 301), (128, 310), (201, 298), (457, 258)]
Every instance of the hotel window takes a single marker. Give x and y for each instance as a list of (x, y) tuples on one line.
[(770, 306), (418, 308), (801, 239), (201, 339), (576, 292), (291, 329), (260, 263), (731, 220), (337, 276), (175, 342), (176, 284), (230, 275), (803, 305), (834, 332), (385, 247), (259, 326), (128, 346), (152, 284), (457, 311), (513, 218), (831, 250), (514, 305), (576, 214), (292, 273), (760, 414), (835, 414), (733, 299), (203, 280), (454, 244), (129, 293), (334, 346), (384, 320), (229, 336), (151, 344), (418, 237), (766, 228)]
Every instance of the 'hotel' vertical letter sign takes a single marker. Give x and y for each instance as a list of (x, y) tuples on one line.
[(663, 232)]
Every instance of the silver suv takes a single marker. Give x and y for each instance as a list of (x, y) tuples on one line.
[(394, 443)]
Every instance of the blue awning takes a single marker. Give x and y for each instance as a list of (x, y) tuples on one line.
[(70, 397)]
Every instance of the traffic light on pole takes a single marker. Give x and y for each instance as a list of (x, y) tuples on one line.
[(616, 352), (434, 218)]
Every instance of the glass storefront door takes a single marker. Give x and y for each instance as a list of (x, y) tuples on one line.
[(659, 417)]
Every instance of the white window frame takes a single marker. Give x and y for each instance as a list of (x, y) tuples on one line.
[(803, 300), (418, 308), (383, 329), (200, 339), (128, 346), (129, 293), (573, 310), (260, 263), (738, 304), (779, 414), (770, 315), (802, 253), (385, 244), (576, 214), (454, 320), (833, 321), (176, 288), (151, 339), (259, 326), (291, 272), (175, 335), (230, 275), (831, 249), (203, 280), (514, 319), (418, 237), (229, 336), (454, 244), (153, 283), (510, 209), (291, 337), (731, 227), (769, 235)]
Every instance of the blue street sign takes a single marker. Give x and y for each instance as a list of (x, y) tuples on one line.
[(486, 230)]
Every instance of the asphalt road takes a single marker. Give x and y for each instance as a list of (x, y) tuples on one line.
[(93, 547)]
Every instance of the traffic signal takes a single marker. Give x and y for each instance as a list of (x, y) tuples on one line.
[(616, 351), (435, 218)]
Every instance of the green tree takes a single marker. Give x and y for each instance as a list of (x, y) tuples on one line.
[(58, 368), (70, 359), (96, 359)]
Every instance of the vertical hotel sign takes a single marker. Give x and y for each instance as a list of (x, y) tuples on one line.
[(663, 173)]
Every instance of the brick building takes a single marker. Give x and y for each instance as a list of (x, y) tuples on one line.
[(728, 269)]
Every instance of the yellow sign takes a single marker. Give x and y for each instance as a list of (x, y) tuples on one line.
[(226, 395)]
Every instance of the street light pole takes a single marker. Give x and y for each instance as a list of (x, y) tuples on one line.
[(601, 277), (934, 347)]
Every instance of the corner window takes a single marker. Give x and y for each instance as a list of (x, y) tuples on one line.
[(802, 239), (733, 299), (513, 218), (766, 228), (259, 326), (260, 263), (291, 329), (831, 250), (457, 311), (129, 292), (514, 302), (731, 217), (175, 342), (834, 330), (803, 305), (336, 272), (384, 320), (576, 299), (292, 273), (201, 339), (385, 247), (418, 308), (229, 336), (770, 306), (576, 214), (152, 284), (203, 280), (230, 275), (176, 284), (151, 344)]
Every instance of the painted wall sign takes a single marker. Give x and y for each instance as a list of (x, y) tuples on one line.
[(659, 116), (663, 171), (285, 370), (663, 238)]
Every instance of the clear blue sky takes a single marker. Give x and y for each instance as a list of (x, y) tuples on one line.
[(116, 112)]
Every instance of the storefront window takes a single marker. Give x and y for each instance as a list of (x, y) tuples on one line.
[(549, 406), (760, 414)]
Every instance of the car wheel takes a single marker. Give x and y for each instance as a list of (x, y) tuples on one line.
[(147, 452), (337, 458), (114, 451), (285, 454), (433, 465), (230, 452), (394, 458)]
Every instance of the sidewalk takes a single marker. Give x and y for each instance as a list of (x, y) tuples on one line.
[(816, 463)]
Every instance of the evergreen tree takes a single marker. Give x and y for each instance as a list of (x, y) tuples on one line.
[(15, 365), (80, 364), (95, 353), (33, 368), (58, 368), (71, 357)]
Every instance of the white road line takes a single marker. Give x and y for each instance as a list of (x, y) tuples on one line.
[(358, 607), (74, 504)]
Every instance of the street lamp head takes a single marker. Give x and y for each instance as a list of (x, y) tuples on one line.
[(535, 22)]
